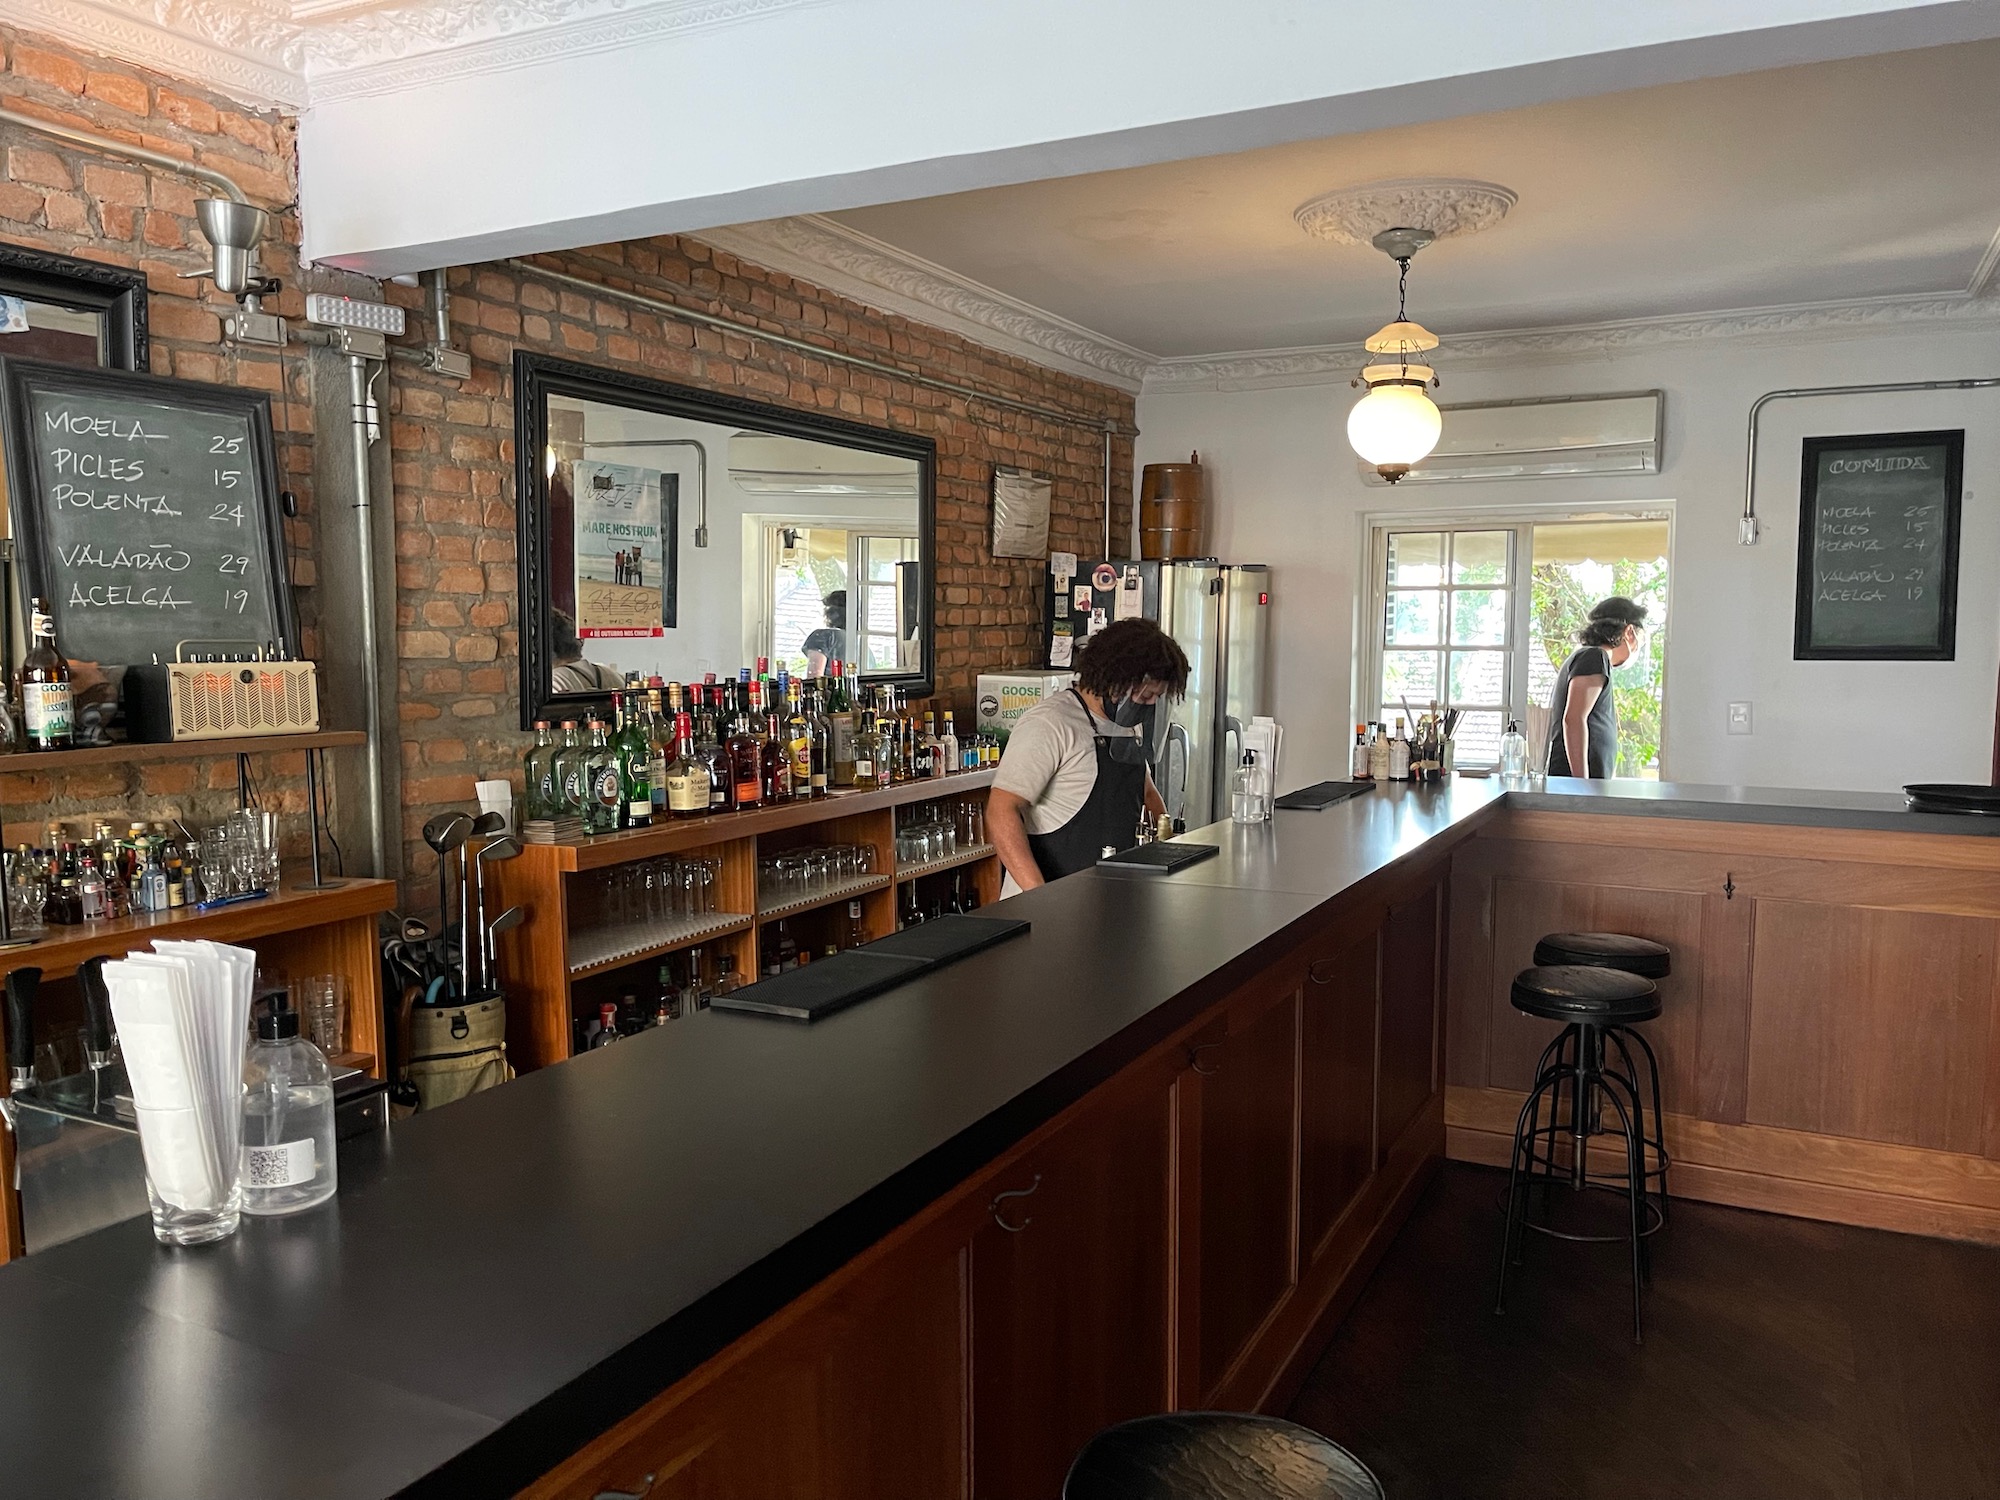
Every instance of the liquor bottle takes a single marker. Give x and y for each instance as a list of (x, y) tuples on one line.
[(708, 747), (90, 887), (601, 785), (635, 762), (687, 775), (819, 751), (1358, 761), (47, 704), (774, 762), (538, 775), (855, 934), (866, 771), (727, 980), (932, 753), (1399, 754), (173, 860), (912, 914), (888, 740), (566, 773), (840, 725), (606, 1030), (746, 764), (968, 898), (660, 742), (907, 739), (949, 752), (153, 880), (799, 742)]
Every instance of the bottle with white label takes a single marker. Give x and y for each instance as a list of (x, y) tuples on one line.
[(1399, 755), (288, 1155), (1359, 762), (47, 702)]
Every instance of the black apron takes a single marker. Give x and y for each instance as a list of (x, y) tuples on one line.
[(1108, 821)]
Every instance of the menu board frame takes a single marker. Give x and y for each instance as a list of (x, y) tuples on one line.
[(1942, 645), (27, 490)]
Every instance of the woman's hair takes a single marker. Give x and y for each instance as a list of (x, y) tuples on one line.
[(1128, 653), (1608, 619)]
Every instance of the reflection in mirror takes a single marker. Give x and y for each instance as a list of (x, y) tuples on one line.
[(41, 330), (678, 546)]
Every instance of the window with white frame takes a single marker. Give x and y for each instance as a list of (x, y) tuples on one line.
[(1446, 632)]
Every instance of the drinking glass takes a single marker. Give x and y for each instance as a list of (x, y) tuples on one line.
[(321, 1001)]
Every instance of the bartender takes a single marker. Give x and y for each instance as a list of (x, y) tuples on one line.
[(1581, 709), (1073, 777)]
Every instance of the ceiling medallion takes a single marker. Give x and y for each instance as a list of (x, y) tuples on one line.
[(1444, 206)]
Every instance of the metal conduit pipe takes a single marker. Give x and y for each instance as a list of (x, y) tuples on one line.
[(360, 374), (440, 308), (110, 147), (803, 346), (1747, 533)]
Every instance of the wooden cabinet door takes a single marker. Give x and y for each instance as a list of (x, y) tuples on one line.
[(1071, 1301), (1408, 1072), (1337, 1148), (1238, 1261)]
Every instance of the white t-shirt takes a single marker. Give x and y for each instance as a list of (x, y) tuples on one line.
[(1051, 763)]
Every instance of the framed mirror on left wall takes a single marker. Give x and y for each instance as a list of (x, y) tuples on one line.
[(676, 532)]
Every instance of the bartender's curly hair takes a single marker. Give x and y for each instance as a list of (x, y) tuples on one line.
[(1127, 654)]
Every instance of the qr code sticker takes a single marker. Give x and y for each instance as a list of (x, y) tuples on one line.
[(278, 1166)]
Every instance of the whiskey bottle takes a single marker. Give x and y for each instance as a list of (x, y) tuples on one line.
[(687, 775)]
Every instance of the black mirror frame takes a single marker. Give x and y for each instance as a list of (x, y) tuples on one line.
[(539, 376), (118, 293)]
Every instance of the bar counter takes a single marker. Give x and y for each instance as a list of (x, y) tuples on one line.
[(502, 1282)]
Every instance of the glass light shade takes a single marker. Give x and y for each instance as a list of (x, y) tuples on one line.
[(1394, 427)]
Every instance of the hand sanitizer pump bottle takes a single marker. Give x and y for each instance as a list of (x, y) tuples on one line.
[(288, 1152)]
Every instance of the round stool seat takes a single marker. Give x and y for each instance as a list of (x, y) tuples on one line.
[(1216, 1455), (1586, 995), (1606, 950)]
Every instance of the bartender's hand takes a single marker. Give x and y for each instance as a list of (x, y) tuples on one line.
[(1010, 838)]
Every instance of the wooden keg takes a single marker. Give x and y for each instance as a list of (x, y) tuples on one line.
[(1171, 518)]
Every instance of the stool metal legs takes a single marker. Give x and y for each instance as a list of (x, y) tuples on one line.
[(1590, 1082), (1658, 1139)]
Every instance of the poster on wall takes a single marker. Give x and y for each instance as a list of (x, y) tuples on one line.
[(627, 553)]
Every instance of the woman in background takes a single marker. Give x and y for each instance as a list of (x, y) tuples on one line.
[(1584, 716)]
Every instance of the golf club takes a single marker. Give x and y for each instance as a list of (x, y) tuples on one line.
[(446, 833), (511, 918), (482, 827), (497, 849)]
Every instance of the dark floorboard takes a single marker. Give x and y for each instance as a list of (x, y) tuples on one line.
[(1784, 1360)]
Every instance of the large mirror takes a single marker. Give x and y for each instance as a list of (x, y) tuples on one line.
[(674, 532)]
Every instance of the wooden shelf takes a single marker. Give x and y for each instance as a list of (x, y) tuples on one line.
[(693, 833), (845, 890), (592, 950), (970, 856), (60, 949), (251, 744)]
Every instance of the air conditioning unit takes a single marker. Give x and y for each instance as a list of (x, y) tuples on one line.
[(1544, 437)]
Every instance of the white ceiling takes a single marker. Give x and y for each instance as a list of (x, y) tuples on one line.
[(1874, 177)]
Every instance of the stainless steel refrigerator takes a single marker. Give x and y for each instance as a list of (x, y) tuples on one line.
[(1220, 614)]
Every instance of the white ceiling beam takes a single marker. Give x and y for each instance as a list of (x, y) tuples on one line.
[(805, 106)]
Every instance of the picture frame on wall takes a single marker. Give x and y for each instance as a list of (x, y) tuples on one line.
[(1879, 518)]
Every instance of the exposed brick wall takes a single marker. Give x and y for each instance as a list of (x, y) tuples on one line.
[(452, 444), (454, 476), (82, 203)]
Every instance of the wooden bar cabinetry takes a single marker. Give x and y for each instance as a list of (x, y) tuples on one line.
[(569, 954), (1183, 1236)]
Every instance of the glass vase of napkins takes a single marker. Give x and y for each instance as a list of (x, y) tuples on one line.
[(182, 1012)]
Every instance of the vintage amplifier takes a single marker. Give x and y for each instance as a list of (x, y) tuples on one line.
[(219, 700)]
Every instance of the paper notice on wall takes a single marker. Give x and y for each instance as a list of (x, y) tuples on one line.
[(14, 319), (1131, 601), (1061, 650), (1083, 600), (618, 551), (1020, 513), (1097, 621), (1063, 565)]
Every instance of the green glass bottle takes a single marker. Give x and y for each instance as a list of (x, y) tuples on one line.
[(538, 774), (635, 765), (566, 773), (602, 788)]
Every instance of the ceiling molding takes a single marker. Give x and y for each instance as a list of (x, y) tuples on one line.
[(856, 265), (357, 53), (1446, 206), (1983, 273), (246, 49), (1336, 364)]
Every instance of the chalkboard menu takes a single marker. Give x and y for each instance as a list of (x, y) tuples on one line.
[(146, 511), (1878, 548)]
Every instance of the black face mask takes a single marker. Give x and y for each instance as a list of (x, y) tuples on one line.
[(1128, 714)]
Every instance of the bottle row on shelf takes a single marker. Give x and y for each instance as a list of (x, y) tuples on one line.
[(70, 879), (677, 750)]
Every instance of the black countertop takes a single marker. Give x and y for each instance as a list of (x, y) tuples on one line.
[(499, 1282)]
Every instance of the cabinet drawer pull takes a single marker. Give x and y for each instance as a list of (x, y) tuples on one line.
[(1322, 971), (1000, 1198), (1194, 1058), (645, 1489)]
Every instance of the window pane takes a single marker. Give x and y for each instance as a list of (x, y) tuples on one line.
[(1416, 559), (1479, 557), (881, 616), (881, 654), (1476, 741), (1478, 677), (1479, 617), (1409, 674), (1415, 618)]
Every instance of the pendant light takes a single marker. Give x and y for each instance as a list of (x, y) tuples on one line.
[(1396, 425)]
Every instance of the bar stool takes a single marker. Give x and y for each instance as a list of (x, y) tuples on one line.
[(1216, 1455), (1631, 955), (1589, 1000)]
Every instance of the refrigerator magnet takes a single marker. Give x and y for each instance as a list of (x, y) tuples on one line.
[(1083, 599)]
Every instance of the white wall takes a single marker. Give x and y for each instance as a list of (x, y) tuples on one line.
[(1285, 491)]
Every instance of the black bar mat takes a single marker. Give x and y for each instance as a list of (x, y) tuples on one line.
[(1159, 859), (947, 938), (1322, 794), (824, 986)]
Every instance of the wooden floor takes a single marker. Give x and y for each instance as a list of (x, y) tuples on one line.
[(1784, 1360)]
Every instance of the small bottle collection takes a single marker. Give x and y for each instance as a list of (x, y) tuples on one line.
[(1423, 753), (70, 877), (684, 750)]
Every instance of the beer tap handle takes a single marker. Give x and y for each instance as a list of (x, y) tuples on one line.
[(23, 985)]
